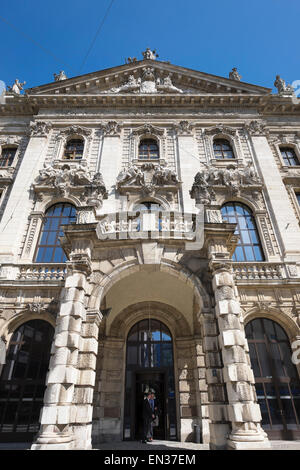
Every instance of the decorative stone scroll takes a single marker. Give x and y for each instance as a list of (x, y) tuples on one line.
[(231, 179), (147, 178), (63, 179)]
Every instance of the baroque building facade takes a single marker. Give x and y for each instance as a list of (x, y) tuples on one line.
[(149, 240)]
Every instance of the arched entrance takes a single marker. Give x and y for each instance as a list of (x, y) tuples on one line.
[(22, 383), (150, 366), (276, 378)]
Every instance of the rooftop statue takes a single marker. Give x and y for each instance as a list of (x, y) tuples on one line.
[(282, 87), (60, 76), (17, 87), (234, 75), (148, 54)]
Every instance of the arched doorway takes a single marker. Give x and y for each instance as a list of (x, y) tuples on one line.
[(150, 366), (276, 378), (22, 383)]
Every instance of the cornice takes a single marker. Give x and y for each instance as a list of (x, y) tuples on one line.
[(264, 104)]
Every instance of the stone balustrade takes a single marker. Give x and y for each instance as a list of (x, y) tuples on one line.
[(261, 270), (42, 272), (138, 224)]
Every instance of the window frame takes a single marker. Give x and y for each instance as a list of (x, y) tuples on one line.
[(294, 149), (43, 231), (255, 229), (149, 159), (229, 143), (70, 139), (5, 147)]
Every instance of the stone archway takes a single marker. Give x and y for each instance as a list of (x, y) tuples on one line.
[(111, 371)]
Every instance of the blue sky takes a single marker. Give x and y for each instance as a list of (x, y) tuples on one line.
[(260, 37)]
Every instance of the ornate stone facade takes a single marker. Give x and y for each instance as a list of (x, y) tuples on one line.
[(158, 266)]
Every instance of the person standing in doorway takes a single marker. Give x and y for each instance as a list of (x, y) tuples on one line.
[(148, 416)]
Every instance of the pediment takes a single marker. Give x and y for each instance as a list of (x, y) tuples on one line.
[(147, 77)]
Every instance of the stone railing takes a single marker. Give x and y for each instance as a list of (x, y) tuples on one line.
[(147, 224), (261, 270), (42, 272)]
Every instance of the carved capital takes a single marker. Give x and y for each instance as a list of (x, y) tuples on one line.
[(183, 128), (40, 128)]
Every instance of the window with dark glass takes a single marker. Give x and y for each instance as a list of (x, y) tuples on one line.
[(74, 149), (276, 378), (249, 246), (22, 383), (148, 150), (298, 198), (7, 156), (223, 149), (289, 156), (49, 249)]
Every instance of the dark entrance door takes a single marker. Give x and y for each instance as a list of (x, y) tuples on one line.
[(22, 383), (150, 381), (150, 365), (276, 379)]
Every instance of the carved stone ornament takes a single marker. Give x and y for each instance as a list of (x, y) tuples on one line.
[(40, 128), (147, 82), (220, 129), (257, 128), (64, 179), (231, 178), (35, 307), (183, 128), (148, 129), (147, 178), (111, 128), (75, 130)]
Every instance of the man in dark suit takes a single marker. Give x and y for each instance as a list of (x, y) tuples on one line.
[(147, 417)]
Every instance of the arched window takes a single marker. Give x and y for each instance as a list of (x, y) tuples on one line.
[(74, 149), (289, 156), (148, 150), (223, 149), (49, 249), (22, 383), (7, 156), (276, 378), (249, 246)]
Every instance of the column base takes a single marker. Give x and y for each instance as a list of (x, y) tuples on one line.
[(54, 441), (248, 440)]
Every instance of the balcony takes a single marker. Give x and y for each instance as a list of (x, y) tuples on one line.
[(147, 225)]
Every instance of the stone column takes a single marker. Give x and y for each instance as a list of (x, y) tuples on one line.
[(243, 409), (84, 390), (59, 412)]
